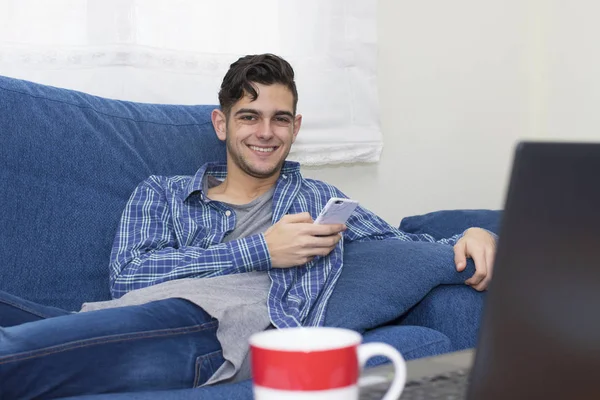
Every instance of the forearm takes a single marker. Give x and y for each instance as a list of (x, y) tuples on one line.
[(135, 268), (364, 225)]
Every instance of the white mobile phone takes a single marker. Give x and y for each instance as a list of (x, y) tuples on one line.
[(336, 211)]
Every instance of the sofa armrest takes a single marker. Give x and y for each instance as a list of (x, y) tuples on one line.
[(446, 223)]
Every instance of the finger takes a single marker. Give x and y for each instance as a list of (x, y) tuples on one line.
[(325, 241), (298, 218), (324, 251), (483, 285), (480, 269), (460, 255), (490, 254), (325, 229), (489, 258)]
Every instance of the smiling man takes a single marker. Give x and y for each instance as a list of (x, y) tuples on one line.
[(266, 125), (246, 224), (258, 132)]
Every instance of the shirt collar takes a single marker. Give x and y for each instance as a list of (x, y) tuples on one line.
[(219, 171)]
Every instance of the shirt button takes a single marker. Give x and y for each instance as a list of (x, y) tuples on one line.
[(228, 213)]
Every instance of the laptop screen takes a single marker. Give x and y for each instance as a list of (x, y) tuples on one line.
[(540, 336)]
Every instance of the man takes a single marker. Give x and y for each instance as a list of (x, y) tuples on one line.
[(247, 225)]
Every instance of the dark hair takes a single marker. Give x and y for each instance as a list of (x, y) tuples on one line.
[(266, 69)]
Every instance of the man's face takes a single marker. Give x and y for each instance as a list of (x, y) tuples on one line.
[(260, 133)]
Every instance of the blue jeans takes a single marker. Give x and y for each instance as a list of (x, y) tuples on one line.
[(439, 310), (46, 352), (411, 288)]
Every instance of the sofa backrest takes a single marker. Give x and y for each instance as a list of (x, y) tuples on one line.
[(68, 163)]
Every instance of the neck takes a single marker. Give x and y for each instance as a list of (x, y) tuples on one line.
[(241, 188)]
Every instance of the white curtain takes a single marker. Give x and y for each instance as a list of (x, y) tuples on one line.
[(177, 51)]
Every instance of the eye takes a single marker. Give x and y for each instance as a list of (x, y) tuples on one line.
[(283, 120), (248, 117)]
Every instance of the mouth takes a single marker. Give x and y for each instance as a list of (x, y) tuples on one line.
[(263, 150)]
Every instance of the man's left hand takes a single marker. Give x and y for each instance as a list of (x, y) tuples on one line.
[(479, 245)]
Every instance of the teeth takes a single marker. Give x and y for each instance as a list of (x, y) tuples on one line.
[(262, 149)]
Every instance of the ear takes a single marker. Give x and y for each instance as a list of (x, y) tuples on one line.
[(219, 121), (297, 124)]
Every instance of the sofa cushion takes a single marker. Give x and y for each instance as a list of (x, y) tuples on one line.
[(446, 223), (69, 162)]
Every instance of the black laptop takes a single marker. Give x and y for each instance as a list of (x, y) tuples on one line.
[(540, 335)]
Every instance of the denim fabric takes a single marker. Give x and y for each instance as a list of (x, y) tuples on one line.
[(17, 311), (398, 283), (382, 280), (445, 223), (411, 341), (233, 391), (170, 231), (454, 310), (68, 163), (168, 344)]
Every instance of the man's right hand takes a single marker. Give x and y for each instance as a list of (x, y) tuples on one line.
[(296, 240)]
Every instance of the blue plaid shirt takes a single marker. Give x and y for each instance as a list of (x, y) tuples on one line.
[(171, 230)]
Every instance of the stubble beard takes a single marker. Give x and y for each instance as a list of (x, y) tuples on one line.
[(245, 166)]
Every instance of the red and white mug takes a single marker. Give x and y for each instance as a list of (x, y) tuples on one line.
[(316, 364)]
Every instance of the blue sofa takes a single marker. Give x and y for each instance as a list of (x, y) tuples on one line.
[(69, 162)]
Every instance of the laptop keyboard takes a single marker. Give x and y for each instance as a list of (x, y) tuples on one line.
[(448, 386)]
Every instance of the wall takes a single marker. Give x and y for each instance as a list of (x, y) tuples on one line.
[(571, 90), (459, 83), (455, 94)]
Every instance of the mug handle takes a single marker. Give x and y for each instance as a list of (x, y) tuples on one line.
[(368, 350)]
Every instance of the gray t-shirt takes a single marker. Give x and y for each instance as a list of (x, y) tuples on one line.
[(238, 301), (252, 218)]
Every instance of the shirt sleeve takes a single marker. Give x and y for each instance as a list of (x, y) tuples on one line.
[(146, 252), (365, 225)]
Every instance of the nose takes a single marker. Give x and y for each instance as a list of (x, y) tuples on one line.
[(265, 130)]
